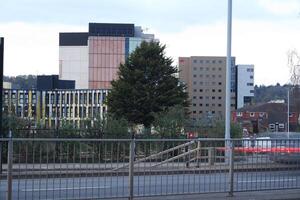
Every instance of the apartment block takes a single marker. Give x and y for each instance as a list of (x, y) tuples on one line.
[(93, 58), (205, 78)]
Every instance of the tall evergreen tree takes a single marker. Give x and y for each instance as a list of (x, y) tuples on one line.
[(146, 85)]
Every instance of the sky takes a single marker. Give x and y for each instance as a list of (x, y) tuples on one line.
[(263, 30)]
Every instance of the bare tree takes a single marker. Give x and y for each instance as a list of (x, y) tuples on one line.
[(294, 65)]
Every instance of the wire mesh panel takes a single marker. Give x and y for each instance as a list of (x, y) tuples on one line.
[(266, 164), (69, 169), (168, 167)]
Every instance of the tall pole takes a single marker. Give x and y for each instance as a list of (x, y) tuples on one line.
[(288, 112), (1, 93), (228, 73)]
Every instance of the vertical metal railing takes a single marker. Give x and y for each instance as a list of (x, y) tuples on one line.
[(134, 168), (9, 166)]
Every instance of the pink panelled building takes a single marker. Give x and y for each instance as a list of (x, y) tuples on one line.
[(92, 59)]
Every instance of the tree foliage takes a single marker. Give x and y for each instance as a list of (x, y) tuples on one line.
[(170, 123), (147, 85)]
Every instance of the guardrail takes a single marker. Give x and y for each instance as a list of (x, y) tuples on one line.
[(111, 168)]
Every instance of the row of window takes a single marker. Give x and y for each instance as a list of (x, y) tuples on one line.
[(207, 105), (207, 76), (207, 112), (82, 98), (208, 61), (250, 70), (207, 97)]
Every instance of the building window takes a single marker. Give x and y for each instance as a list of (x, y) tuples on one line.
[(195, 68), (200, 75), (195, 82), (219, 97), (213, 90), (207, 68), (207, 98), (195, 90), (201, 68), (201, 97), (194, 75), (213, 97), (194, 97), (207, 105), (213, 105), (200, 90), (207, 76), (195, 61), (219, 105), (219, 90), (200, 105), (214, 76), (207, 61), (252, 114), (251, 77), (220, 76), (249, 84), (201, 61), (194, 112), (220, 69), (200, 112), (194, 104), (220, 61), (251, 91), (214, 61), (220, 83)]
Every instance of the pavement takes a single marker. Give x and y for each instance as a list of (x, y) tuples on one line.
[(261, 195)]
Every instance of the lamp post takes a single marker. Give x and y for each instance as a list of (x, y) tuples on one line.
[(228, 73)]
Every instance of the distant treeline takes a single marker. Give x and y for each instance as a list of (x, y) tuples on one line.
[(21, 81), (263, 94)]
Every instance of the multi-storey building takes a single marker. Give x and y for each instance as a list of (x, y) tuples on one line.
[(245, 85), (52, 107), (205, 78), (92, 58)]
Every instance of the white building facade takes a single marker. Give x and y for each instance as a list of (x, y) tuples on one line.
[(245, 85)]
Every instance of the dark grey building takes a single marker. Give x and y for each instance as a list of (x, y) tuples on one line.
[(52, 82)]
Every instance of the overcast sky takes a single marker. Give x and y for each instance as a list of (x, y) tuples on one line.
[(263, 30)]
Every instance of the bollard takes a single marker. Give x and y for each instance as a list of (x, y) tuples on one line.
[(231, 168), (131, 166), (9, 166)]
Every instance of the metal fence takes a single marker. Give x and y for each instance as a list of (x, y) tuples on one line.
[(113, 168)]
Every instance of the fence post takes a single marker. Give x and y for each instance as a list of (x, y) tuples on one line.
[(9, 166), (231, 168), (198, 154), (131, 166), (211, 155)]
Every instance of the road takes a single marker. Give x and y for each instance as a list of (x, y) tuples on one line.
[(112, 186)]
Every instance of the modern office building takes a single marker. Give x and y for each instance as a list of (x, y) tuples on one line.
[(245, 85), (205, 78), (52, 107), (92, 58), (51, 82)]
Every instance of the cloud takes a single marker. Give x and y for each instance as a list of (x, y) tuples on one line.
[(264, 44), (32, 48), (280, 7)]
